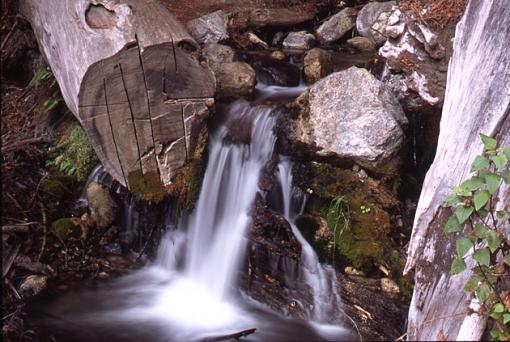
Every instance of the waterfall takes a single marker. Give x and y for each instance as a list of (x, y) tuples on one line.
[(320, 279)]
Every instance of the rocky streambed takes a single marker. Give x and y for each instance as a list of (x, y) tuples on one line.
[(356, 88)]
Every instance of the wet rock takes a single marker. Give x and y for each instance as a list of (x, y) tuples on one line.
[(256, 41), (216, 54), (33, 285), (389, 286), (352, 271), (210, 28), (277, 38), (278, 55), (273, 72), (337, 26), (317, 64), (362, 44), (108, 236), (103, 208), (350, 114), (373, 19), (301, 40), (234, 80)]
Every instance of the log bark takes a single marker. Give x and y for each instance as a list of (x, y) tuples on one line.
[(477, 101), (130, 73)]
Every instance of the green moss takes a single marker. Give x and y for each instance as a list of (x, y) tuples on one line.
[(64, 227), (147, 187), (74, 155)]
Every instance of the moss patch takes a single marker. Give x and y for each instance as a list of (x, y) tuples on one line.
[(64, 227), (74, 155), (147, 187)]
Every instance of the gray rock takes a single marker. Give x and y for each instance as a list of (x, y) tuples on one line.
[(33, 285), (337, 26), (301, 40), (353, 115), (373, 19), (234, 80), (317, 64), (217, 53), (103, 209), (210, 28), (362, 44), (389, 286)]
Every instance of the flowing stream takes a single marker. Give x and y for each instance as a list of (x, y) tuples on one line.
[(191, 291)]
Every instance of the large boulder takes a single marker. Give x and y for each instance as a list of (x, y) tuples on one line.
[(216, 54), (317, 64), (103, 208), (372, 20), (351, 115), (337, 26), (234, 80), (301, 40), (210, 28)]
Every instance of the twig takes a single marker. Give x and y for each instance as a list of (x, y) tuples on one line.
[(16, 203), (15, 229), (231, 336), (8, 36), (16, 145), (13, 289), (45, 222)]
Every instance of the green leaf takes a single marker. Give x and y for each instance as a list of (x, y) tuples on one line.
[(492, 182), (500, 160), (463, 245), (483, 256), (506, 259), (452, 225), (458, 266), (488, 142), (495, 334), (506, 318), (495, 315), (472, 184), (501, 214), (482, 213), (481, 198), (506, 177), (483, 292), (451, 200), (480, 163), (498, 308), (480, 231), (493, 240), (506, 151), (463, 213), (472, 283)]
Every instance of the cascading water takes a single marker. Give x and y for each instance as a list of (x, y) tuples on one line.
[(191, 292), (320, 279)]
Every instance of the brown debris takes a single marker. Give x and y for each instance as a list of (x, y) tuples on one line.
[(437, 13)]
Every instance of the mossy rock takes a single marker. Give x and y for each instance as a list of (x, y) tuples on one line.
[(147, 187), (66, 227)]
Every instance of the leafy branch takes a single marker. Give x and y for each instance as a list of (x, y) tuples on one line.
[(483, 233)]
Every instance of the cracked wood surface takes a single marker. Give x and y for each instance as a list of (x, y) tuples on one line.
[(130, 73), (477, 101)]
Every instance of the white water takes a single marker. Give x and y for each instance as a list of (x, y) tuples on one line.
[(191, 291), (320, 279)]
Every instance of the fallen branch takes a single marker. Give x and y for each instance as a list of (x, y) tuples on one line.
[(19, 144), (18, 228), (237, 335)]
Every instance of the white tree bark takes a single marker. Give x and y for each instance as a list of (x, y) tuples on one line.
[(477, 101), (130, 73)]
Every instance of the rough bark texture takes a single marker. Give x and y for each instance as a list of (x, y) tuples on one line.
[(477, 101), (130, 73)]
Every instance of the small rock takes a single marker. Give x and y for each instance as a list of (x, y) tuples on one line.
[(363, 44), (301, 40), (337, 26), (103, 209), (234, 80), (278, 55), (217, 53), (317, 64), (362, 174), (103, 275), (108, 236), (352, 271), (33, 285), (373, 19), (210, 28), (389, 286), (277, 38), (113, 248)]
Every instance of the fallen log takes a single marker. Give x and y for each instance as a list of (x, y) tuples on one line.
[(477, 101), (130, 73), (235, 336)]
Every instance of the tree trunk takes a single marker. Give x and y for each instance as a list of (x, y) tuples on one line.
[(130, 73), (477, 101)]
